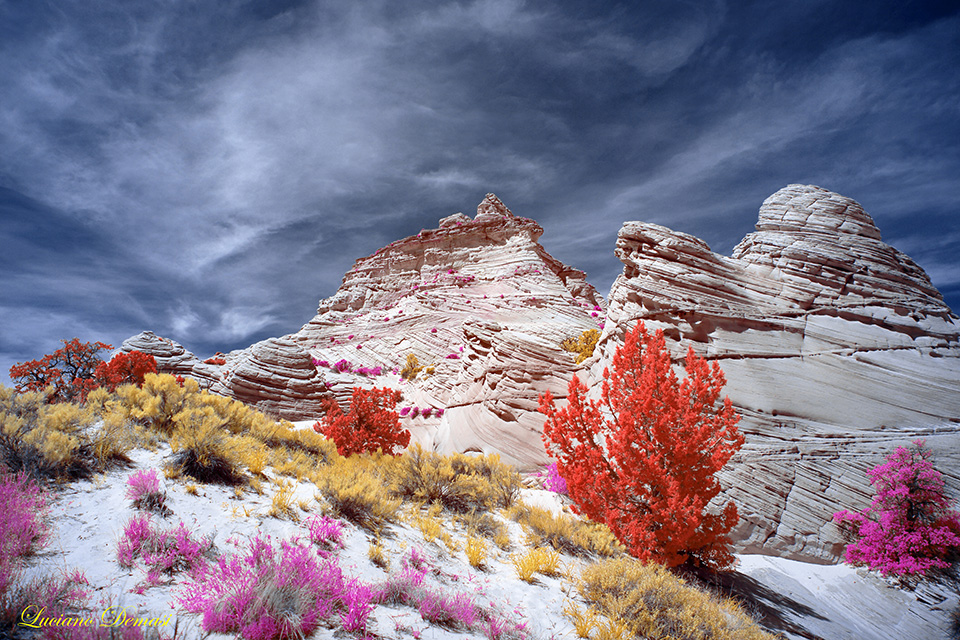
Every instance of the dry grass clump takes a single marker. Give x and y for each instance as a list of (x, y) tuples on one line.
[(565, 533), (203, 449), (652, 603), (583, 345), (46, 441), (458, 482), (484, 524), (537, 560), (355, 490)]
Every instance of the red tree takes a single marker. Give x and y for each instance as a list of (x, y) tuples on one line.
[(644, 459), (69, 370), (125, 368), (369, 425)]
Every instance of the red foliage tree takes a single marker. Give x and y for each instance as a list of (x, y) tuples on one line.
[(644, 459), (69, 370), (125, 368), (369, 425)]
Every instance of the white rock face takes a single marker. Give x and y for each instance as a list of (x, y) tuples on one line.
[(276, 376), (482, 302), (835, 346)]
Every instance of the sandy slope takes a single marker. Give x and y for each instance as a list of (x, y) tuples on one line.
[(800, 600)]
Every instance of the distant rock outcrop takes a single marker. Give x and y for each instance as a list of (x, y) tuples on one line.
[(836, 349), (276, 376)]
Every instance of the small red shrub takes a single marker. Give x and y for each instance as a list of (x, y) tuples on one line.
[(125, 368), (369, 425)]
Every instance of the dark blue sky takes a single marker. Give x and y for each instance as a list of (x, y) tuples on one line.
[(209, 171)]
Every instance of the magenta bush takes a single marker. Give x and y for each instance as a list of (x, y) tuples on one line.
[(266, 592), (163, 552), (909, 527), (553, 481), (22, 530), (143, 488), (343, 366), (325, 532)]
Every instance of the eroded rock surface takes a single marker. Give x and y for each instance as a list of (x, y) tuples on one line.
[(277, 376), (482, 303), (836, 349)]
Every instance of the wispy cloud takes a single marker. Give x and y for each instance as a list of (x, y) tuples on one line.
[(215, 170)]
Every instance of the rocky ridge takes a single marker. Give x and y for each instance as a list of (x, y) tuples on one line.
[(836, 348)]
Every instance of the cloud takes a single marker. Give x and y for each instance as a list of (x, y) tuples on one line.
[(213, 171)]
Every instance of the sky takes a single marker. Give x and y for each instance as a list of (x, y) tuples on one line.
[(209, 171)]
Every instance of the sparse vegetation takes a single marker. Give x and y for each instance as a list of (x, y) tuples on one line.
[(268, 590), (583, 346), (650, 602), (458, 482)]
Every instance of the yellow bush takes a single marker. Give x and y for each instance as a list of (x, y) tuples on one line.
[(565, 533), (157, 401), (583, 621), (282, 503), (476, 551), (203, 448), (651, 602), (114, 439), (458, 482), (355, 490), (377, 555), (583, 346), (537, 560), (42, 439), (253, 454), (411, 368), (484, 524)]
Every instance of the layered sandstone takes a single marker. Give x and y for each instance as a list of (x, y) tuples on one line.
[(836, 348), (481, 302), (277, 376)]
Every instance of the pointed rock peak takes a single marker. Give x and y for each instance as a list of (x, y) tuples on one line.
[(808, 208), (493, 205)]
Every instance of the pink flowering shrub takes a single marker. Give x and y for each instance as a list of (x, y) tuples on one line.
[(404, 412), (325, 532), (453, 356), (343, 366), (22, 531), (267, 592), (552, 480), (321, 363), (456, 611), (909, 527), (163, 552), (143, 488)]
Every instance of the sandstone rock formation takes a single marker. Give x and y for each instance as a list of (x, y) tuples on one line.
[(276, 375), (836, 349), (480, 301)]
